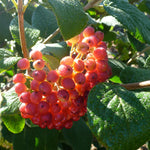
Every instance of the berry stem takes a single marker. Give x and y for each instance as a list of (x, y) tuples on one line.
[(48, 66), (21, 29), (137, 85)]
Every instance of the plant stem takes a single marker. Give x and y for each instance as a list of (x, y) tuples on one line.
[(138, 54), (15, 4), (51, 36), (137, 85), (90, 4), (21, 29)]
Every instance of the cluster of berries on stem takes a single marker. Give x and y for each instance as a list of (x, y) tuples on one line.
[(56, 98)]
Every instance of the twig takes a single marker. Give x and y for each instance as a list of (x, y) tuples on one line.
[(137, 85), (51, 36), (138, 54), (21, 29), (90, 4), (15, 4)]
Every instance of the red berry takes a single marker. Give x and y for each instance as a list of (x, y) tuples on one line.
[(39, 64), (39, 75), (52, 76), (99, 35), (73, 94), (79, 78), (23, 64), (36, 97), (83, 48), (34, 85), (68, 83), (88, 31), (46, 118), (63, 95), (35, 54), (43, 107), (45, 88), (100, 53), (52, 98), (25, 97), (65, 70), (90, 64), (101, 65), (68, 124), (55, 108), (19, 77), (78, 65), (31, 109), (20, 88), (91, 77), (102, 44), (67, 60)]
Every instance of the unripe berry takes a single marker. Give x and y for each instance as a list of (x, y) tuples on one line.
[(52, 76), (39, 75), (82, 48), (19, 77), (39, 64), (63, 95), (65, 70), (25, 97), (100, 53), (67, 60), (34, 85), (36, 97), (23, 64), (35, 54), (20, 88), (68, 83), (78, 65), (88, 31), (45, 88), (90, 64), (79, 78)]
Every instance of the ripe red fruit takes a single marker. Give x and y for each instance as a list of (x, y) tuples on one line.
[(31, 109), (46, 119), (34, 85), (39, 64), (67, 60), (36, 97), (65, 70), (45, 88), (55, 108), (19, 77), (68, 124), (52, 76), (101, 65), (91, 77), (100, 53), (35, 54), (52, 98), (68, 83), (63, 95), (78, 65), (88, 31), (25, 97), (90, 64), (39, 75), (99, 35), (23, 64), (102, 44), (20, 88), (82, 48), (43, 107), (79, 78), (73, 94)]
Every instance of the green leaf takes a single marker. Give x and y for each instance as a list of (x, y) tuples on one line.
[(130, 17), (52, 53), (147, 63), (117, 66), (79, 136), (7, 60), (131, 75), (44, 20), (119, 118), (115, 79), (4, 25), (9, 110), (36, 138), (70, 17), (31, 33), (144, 6)]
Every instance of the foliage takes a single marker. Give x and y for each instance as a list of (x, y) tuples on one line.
[(117, 118)]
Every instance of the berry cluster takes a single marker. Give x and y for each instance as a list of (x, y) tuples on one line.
[(56, 98)]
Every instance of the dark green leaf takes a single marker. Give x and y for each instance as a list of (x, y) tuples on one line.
[(131, 75), (79, 136), (70, 17), (130, 17), (119, 118), (117, 66), (147, 63), (144, 6), (4, 25), (44, 20), (31, 34), (7, 60)]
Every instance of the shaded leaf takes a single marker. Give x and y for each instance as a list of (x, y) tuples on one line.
[(31, 33), (7, 60), (130, 17), (79, 136), (119, 118), (70, 17)]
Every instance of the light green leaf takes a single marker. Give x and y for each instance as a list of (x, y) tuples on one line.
[(130, 17), (31, 33), (70, 17), (119, 118), (7, 60)]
